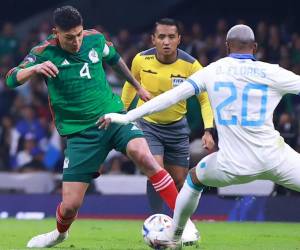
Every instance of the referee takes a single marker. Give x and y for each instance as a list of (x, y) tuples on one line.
[(159, 69)]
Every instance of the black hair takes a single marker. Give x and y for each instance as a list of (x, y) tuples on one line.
[(67, 17), (167, 21)]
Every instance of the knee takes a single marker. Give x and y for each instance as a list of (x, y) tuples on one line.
[(137, 154), (147, 163), (142, 157)]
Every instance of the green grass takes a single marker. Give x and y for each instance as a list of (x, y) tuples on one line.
[(126, 235)]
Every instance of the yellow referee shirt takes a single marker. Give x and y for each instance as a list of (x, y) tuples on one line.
[(157, 78)]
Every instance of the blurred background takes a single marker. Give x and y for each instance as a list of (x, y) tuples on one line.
[(31, 151)]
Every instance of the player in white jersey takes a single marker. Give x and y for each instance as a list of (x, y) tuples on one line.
[(243, 93)]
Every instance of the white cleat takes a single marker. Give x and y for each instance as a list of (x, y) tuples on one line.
[(190, 234), (48, 239), (162, 240)]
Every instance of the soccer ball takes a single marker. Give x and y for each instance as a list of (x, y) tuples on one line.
[(155, 223), (159, 222)]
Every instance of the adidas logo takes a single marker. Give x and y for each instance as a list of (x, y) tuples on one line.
[(65, 62), (66, 162), (134, 127)]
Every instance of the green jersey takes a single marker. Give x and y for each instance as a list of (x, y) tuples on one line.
[(80, 93)]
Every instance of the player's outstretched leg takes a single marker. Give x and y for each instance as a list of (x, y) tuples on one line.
[(138, 150), (187, 201), (66, 213), (48, 239), (56, 236), (170, 239)]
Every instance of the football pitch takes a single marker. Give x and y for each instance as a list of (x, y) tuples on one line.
[(126, 235)]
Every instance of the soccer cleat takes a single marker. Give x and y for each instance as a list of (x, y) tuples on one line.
[(47, 240), (190, 235), (163, 240)]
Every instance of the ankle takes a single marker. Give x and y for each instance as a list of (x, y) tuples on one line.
[(176, 233), (61, 233)]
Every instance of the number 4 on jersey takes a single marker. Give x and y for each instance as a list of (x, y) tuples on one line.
[(85, 72)]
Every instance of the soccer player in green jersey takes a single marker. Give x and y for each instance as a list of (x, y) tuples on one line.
[(70, 61)]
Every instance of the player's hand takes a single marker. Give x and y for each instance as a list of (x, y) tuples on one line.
[(144, 94), (208, 141), (105, 120), (47, 69)]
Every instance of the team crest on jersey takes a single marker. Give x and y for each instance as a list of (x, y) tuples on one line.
[(93, 55), (30, 58)]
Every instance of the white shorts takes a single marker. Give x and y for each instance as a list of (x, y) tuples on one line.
[(211, 173)]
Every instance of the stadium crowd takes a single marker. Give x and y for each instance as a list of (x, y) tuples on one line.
[(29, 140)]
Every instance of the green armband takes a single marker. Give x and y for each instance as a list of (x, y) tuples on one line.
[(11, 78)]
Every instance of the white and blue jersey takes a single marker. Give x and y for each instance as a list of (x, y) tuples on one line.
[(243, 93)]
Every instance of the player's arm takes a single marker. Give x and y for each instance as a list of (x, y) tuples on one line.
[(185, 90), (207, 113), (118, 64), (208, 120), (285, 81), (128, 91), (206, 110), (128, 94), (28, 69), (122, 68)]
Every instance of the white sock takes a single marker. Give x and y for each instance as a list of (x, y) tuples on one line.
[(186, 204)]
